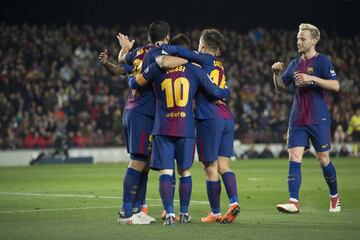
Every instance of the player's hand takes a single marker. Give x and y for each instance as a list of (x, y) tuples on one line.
[(103, 57), (124, 41), (302, 79), (277, 67)]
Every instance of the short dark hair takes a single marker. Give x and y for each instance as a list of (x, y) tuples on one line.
[(181, 40), (158, 30), (212, 38)]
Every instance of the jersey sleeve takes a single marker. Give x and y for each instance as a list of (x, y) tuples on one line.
[(190, 55), (210, 88), (128, 68), (144, 78), (129, 57), (288, 75), (328, 69)]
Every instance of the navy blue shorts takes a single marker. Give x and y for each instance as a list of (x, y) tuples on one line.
[(319, 135), (167, 148), (215, 137), (137, 132)]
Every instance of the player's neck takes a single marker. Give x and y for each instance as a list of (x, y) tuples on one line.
[(159, 43), (310, 54)]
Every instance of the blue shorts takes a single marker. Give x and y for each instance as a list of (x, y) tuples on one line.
[(215, 137), (318, 134), (137, 132), (167, 148)]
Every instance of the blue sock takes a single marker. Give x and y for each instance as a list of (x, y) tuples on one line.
[(329, 173), (230, 186), (185, 188), (130, 187), (294, 179), (173, 182), (140, 197), (166, 193), (213, 192)]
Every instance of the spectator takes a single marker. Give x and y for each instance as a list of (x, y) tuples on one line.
[(40, 82)]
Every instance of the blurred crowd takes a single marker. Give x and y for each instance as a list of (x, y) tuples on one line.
[(51, 79)]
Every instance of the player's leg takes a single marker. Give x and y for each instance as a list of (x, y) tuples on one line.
[(356, 145), (320, 137), (130, 188), (230, 184), (139, 204), (184, 155), (163, 153), (134, 134), (173, 180), (298, 140), (208, 142), (225, 152), (213, 188), (144, 148)]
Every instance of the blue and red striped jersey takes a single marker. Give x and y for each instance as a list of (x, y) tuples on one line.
[(206, 106), (309, 106), (174, 91), (140, 100)]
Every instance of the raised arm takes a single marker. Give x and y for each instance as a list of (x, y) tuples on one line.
[(126, 45), (278, 82), (114, 69)]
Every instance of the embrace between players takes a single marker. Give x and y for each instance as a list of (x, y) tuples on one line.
[(159, 124)]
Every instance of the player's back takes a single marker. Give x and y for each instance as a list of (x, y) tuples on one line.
[(174, 92), (141, 100), (206, 106)]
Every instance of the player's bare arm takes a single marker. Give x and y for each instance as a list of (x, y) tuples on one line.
[(114, 69), (332, 85), (125, 44), (277, 68), (168, 62)]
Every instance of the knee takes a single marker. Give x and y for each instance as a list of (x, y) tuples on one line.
[(224, 165), (223, 169), (184, 173), (137, 165), (323, 158), (211, 172), (295, 155)]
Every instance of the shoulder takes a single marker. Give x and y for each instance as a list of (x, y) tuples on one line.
[(324, 58), (294, 61), (193, 67)]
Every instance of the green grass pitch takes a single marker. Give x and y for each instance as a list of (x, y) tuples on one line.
[(81, 202)]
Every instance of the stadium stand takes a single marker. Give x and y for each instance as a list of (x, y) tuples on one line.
[(50, 76)]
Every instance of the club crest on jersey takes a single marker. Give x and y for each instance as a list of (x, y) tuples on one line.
[(310, 70)]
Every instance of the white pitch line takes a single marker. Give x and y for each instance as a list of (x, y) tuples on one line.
[(58, 195), (56, 209), (64, 209), (62, 195), (255, 179), (79, 196)]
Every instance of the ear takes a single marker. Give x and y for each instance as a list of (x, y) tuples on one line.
[(315, 41)]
